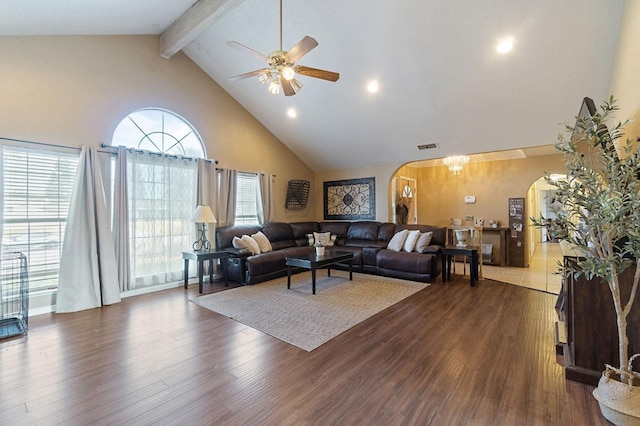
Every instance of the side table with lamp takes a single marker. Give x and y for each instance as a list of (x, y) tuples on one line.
[(202, 248)]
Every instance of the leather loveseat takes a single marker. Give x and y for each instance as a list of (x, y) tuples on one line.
[(366, 240)]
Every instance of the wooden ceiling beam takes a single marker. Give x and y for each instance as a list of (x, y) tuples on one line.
[(192, 23)]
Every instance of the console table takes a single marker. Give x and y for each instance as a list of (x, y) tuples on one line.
[(448, 252), (201, 256)]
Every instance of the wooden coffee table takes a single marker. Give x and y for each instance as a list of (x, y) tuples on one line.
[(312, 261)]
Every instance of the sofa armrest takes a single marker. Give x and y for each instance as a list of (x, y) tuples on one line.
[(236, 252), (433, 249)]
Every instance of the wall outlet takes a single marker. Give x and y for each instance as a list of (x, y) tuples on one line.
[(469, 218)]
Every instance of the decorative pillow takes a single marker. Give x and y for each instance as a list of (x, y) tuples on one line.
[(247, 243), (254, 248), (410, 241), (322, 237), (397, 240), (263, 242), (423, 242), (312, 240)]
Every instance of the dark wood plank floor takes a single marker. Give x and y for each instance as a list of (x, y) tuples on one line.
[(448, 355)]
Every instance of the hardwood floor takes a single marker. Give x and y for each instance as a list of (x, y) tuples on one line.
[(448, 355)]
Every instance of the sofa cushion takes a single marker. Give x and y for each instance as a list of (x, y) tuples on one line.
[(338, 228), (225, 234), (300, 230), (397, 241), (279, 235), (439, 232), (410, 262), (363, 231), (386, 232)]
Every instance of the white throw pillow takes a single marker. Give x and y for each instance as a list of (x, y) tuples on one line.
[(323, 238), (423, 242), (263, 242), (397, 241), (254, 248), (247, 243), (410, 241)]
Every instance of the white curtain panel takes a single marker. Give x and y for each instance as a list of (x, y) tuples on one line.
[(265, 197), (120, 226), (206, 195), (226, 205), (88, 277), (162, 197), (1, 196)]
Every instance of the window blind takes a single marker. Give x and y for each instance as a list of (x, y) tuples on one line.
[(37, 191)]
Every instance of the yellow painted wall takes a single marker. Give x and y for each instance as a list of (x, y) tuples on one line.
[(74, 91), (441, 194)]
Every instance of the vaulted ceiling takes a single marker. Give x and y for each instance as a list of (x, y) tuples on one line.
[(441, 80)]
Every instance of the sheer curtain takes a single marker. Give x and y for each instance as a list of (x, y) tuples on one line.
[(88, 256), (161, 201), (1, 196), (226, 206), (265, 196)]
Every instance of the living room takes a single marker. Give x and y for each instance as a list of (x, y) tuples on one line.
[(72, 90)]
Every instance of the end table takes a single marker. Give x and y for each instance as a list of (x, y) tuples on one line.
[(200, 256)]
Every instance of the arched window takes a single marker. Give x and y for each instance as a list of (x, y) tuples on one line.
[(161, 192), (159, 130)]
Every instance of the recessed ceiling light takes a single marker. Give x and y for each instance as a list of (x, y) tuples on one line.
[(505, 45), (292, 113), (373, 86)]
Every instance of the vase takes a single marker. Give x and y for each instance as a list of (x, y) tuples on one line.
[(320, 251), (461, 236), (619, 402)]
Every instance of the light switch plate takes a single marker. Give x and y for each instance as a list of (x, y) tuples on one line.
[(469, 199)]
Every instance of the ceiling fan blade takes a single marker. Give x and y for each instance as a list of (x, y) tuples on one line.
[(287, 87), (242, 47), (249, 74), (299, 50), (317, 73)]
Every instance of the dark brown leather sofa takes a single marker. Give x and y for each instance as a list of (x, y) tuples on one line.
[(366, 240)]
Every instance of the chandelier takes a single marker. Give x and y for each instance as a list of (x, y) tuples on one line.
[(456, 162)]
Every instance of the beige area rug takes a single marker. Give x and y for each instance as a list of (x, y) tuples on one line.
[(303, 319)]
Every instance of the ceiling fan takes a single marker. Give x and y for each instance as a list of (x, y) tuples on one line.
[(282, 66)]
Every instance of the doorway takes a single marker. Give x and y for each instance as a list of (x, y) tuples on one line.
[(404, 206)]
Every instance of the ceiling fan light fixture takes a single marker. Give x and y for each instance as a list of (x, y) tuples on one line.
[(288, 72), (264, 77), (274, 87)]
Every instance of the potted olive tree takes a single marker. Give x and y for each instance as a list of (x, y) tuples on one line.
[(600, 217)]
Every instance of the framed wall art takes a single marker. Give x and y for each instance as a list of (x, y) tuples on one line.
[(352, 199)]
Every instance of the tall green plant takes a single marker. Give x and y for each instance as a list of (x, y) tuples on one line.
[(599, 211)]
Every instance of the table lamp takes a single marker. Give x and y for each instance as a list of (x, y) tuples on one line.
[(203, 215)]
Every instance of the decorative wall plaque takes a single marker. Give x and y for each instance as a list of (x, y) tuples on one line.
[(353, 199), (297, 194)]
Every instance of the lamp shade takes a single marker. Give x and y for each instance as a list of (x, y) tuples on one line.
[(203, 214)]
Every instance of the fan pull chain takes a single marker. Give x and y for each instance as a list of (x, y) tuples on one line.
[(280, 24)]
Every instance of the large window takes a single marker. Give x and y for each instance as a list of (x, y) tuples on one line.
[(162, 192), (37, 192)]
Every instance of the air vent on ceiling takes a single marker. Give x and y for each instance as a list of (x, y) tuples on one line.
[(428, 146)]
